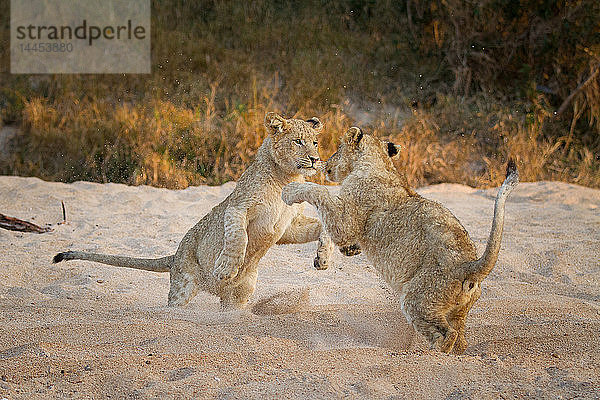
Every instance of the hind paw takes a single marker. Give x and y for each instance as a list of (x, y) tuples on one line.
[(460, 346), (448, 342)]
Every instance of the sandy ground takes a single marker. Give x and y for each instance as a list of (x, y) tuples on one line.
[(84, 330)]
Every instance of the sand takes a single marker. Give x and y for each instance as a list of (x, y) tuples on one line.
[(85, 330)]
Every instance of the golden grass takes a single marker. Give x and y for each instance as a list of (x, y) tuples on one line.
[(458, 110), (172, 146)]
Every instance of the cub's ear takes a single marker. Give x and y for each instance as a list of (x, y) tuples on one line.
[(392, 149), (316, 124), (274, 122), (353, 136)]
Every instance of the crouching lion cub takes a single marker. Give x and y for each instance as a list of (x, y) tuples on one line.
[(416, 245), (220, 254)]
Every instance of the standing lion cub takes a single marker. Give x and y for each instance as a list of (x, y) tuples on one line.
[(416, 245), (220, 254)]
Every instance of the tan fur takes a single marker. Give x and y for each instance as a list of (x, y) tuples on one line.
[(220, 254), (417, 245)]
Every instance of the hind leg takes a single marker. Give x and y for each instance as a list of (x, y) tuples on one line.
[(429, 322), (461, 343), (458, 319), (305, 229), (437, 331), (458, 323), (183, 289), (236, 294), (425, 309)]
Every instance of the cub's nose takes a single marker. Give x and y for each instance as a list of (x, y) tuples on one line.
[(329, 171), (313, 159)]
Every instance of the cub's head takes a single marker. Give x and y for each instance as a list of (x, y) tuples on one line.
[(359, 150), (294, 144)]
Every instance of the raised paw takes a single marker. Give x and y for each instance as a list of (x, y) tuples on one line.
[(324, 252), (226, 267), (291, 193), (320, 263), (351, 250)]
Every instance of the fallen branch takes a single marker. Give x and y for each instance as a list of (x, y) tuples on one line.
[(15, 224)]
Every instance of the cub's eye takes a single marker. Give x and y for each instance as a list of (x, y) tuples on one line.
[(299, 142), (316, 143)]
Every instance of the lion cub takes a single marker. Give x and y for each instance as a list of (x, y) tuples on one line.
[(220, 254), (416, 245)]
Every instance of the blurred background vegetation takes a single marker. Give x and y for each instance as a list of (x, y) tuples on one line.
[(461, 85)]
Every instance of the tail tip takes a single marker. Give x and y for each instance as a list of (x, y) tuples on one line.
[(512, 174), (60, 257), (511, 167)]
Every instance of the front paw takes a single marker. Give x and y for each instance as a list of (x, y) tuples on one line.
[(291, 193), (324, 252), (226, 267), (351, 250), (321, 263)]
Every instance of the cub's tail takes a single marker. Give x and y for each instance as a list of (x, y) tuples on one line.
[(148, 264), (482, 267)]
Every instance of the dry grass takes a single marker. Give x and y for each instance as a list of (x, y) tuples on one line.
[(162, 144), (459, 111)]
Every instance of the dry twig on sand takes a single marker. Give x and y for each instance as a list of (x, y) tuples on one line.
[(15, 224)]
